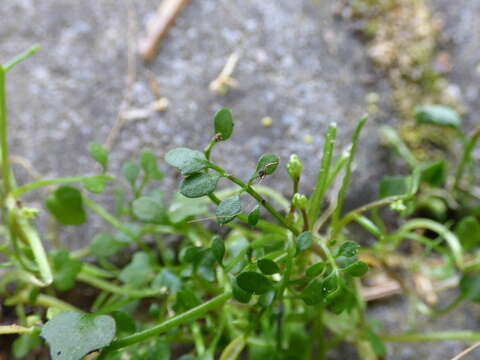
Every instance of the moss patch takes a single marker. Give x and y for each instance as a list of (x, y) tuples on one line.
[(402, 39)]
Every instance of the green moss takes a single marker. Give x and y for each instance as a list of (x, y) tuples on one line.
[(403, 38)]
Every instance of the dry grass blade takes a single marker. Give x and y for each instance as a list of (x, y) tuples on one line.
[(466, 351), (156, 31)]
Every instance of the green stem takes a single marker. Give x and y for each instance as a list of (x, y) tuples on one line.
[(14, 329), (346, 179), (42, 183), (257, 197), (109, 218), (322, 178), (38, 250), (209, 148), (466, 157), (115, 289), (435, 336), (4, 134), (189, 315), (449, 237), (19, 58)]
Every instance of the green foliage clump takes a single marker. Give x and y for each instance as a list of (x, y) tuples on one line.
[(262, 283)]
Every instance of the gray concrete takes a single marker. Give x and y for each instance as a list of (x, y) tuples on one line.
[(299, 64)]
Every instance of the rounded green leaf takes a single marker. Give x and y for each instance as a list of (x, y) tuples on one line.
[(268, 267), (468, 232), (253, 282), (267, 164), (358, 268), (186, 160), (72, 335), (348, 249), (66, 270), (198, 185), (99, 154), (254, 216), (393, 186), (470, 287), (123, 322), (105, 245), (130, 171), (218, 248), (265, 300), (239, 294), (149, 209), (437, 115), (168, 279), (148, 162), (304, 241), (315, 269), (223, 122), (313, 293), (95, 184), (228, 209), (66, 205)]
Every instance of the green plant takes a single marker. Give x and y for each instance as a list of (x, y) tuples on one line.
[(270, 283)]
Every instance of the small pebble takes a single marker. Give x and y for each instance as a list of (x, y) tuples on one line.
[(308, 139), (267, 121)]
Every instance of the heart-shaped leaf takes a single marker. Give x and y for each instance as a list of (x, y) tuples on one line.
[(223, 122), (228, 209), (186, 160), (66, 205), (198, 185), (72, 335)]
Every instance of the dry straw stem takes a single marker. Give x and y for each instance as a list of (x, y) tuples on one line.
[(224, 80), (466, 351), (158, 28)]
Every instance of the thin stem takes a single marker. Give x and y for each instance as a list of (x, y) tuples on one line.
[(346, 179), (400, 147), (38, 251), (449, 237), (467, 154), (322, 178), (189, 315), (15, 329), (4, 133), (21, 57), (257, 197), (209, 148), (109, 218), (115, 289), (435, 336), (42, 183)]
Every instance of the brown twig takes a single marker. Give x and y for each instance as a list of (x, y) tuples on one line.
[(158, 28)]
